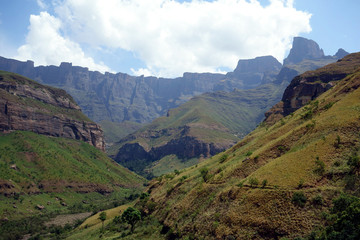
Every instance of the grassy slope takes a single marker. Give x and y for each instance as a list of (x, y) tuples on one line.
[(236, 112), (283, 154), (113, 131), (60, 167)]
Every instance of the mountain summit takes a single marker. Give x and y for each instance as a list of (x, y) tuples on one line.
[(303, 49)]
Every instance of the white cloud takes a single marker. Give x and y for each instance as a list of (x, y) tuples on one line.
[(173, 37), (169, 36), (46, 46), (142, 71)]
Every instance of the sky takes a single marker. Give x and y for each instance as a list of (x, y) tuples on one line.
[(166, 38)]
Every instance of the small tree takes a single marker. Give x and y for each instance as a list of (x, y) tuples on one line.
[(102, 218), (131, 216)]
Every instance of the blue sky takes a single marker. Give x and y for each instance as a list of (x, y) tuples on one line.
[(167, 38)]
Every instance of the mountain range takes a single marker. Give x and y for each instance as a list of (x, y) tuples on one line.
[(121, 97), (212, 122)]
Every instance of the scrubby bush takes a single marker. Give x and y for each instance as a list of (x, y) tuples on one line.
[(344, 221), (223, 158), (320, 166), (317, 200), (264, 183), (299, 199), (253, 181)]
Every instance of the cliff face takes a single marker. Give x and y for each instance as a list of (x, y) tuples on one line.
[(251, 73), (120, 97), (308, 86), (303, 49), (29, 106)]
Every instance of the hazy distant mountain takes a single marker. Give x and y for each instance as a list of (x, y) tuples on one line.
[(121, 97)]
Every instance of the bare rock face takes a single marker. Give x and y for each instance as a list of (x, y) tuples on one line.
[(29, 106), (303, 49), (308, 86), (341, 53)]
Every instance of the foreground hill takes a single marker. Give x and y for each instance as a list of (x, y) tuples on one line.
[(57, 165), (281, 180), (204, 126)]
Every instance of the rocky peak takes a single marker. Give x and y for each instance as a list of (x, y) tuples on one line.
[(341, 53), (303, 48), (29, 106), (257, 65)]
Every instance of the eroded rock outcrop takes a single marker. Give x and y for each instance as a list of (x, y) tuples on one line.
[(306, 87), (29, 106)]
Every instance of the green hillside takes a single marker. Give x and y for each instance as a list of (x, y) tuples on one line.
[(113, 131), (279, 181), (59, 175), (295, 179), (214, 120), (33, 164)]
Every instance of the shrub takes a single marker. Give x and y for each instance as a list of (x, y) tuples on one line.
[(329, 105), (144, 195), (281, 148), (253, 181), (223, 158), (204, 173), (248, 153), (320, 166), (182, 179), (264, 183), (177, 172), (241, 184), (307, 115), (337, 142), (317, 200), (344, 220), (301, 183), (354, 162), (299, 199)]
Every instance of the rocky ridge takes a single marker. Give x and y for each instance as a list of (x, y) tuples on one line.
[(121, 97), (309, 85), (29, 106)]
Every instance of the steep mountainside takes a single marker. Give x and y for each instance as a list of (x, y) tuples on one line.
[(202, 127), (29, 106), (281, 180), (52, 167)]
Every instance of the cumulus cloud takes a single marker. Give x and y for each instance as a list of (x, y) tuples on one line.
[(173, 37), (45, 45)]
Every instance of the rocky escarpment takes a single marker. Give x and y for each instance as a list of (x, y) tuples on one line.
[(121, 97), (251, 73), (310, 85), (138, 156), (29, 106)]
